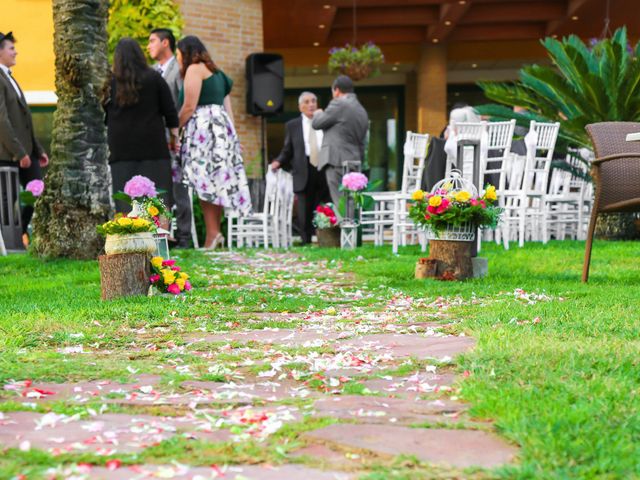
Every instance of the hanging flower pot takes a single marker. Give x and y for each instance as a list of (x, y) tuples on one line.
[(356, 63)]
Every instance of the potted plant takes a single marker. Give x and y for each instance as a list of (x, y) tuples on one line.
[(451, 213), (326, 223), (128, 235), (356, 63)]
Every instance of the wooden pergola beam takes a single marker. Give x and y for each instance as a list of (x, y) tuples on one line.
[(514, 12), (500, 31), (450, 15), (573, 6), (387, 17)]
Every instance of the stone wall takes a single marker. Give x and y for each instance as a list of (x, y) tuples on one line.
[(231, 30)]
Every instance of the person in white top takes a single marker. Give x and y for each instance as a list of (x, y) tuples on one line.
[(300, 155)]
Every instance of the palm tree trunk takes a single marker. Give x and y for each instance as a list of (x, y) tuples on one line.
[(76, 196)]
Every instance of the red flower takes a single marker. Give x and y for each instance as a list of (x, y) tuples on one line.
[(427, 216), (168, 263), (483, 204), (432, 210), (474, 202), (320, 209), (333, 220), (154, 278), (443, 206), (175, 269)]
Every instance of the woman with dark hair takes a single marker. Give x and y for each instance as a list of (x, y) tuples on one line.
[(138, 110), (210, 151)]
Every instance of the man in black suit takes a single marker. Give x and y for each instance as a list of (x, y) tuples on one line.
[(18, 144), (300, 154)]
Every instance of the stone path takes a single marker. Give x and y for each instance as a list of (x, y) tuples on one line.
[(355, 385)]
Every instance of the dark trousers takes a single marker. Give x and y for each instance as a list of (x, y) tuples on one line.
[(314, 193), (183, 212), (25, 175)]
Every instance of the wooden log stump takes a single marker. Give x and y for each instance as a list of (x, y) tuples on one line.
[(453, 259), (124, 275), (426, 268)]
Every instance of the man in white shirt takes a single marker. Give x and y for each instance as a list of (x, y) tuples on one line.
[(18, 144), (161, 47), (300, 154)]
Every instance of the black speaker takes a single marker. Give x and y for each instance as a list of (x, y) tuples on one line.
[(265, 84)]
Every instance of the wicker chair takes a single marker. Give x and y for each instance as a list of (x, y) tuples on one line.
[(616, 173)]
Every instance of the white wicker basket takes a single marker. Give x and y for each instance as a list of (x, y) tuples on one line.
[(454, 233)]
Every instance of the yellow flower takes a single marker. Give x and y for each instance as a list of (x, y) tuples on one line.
[(435, 201), (156, 262), (447, 186), (140, 222), (180, 282), (183, 275), (490, 193), (418, 195), (125, 221), (462, 196), (153, 211), (168, 276)]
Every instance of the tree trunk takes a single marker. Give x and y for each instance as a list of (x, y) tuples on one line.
[(124, 275), (76, 197), (453, 259)]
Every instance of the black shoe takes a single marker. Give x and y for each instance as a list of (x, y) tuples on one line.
[(181, 244)]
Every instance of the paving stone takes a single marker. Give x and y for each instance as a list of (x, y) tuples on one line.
[(103, 434), (78, 392), (220, 392), (418, 346), (326, 456), (371, 409), (410, 387), (283, 337), (456, 448), (231, 472)]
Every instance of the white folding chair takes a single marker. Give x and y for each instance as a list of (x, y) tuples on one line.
[(258, 228), (458, 131), (568, 201), (524, 199), (381, 217), (494, 163), (3, 250), (284, 209)]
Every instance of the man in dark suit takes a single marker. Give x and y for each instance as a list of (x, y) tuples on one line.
[(162, 47), (18, 144), (345, 123), (300, 154)]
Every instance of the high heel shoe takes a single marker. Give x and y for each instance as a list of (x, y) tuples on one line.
[(218, 242)]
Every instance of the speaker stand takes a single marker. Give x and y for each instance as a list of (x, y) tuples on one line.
[(263, 145)]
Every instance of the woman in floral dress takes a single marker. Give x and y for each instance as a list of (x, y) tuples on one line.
[(210, 151)]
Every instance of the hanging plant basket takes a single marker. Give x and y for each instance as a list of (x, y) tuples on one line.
[(356, 63)]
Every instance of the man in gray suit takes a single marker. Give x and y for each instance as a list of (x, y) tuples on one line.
[(18, 144), (344, 123), (162, 47)]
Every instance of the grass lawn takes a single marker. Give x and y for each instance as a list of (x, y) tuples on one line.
[(557, 365)]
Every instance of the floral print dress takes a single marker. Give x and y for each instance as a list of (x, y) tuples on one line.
[(211, 160)]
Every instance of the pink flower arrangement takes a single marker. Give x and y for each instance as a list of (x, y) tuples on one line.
[(140, 186), (36, 187), (355, 181)]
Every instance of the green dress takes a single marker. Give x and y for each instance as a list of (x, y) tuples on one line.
[(210, 151)]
